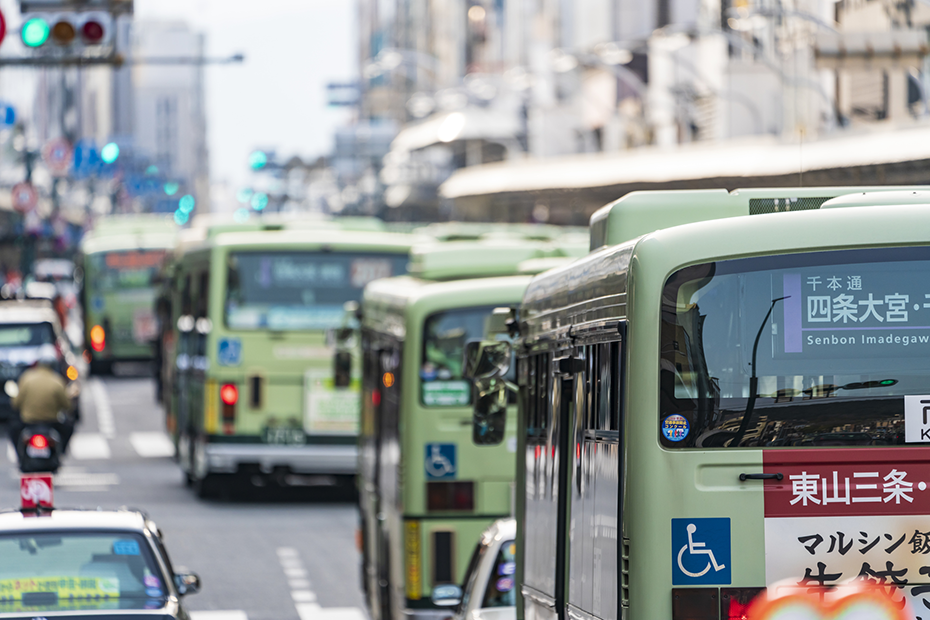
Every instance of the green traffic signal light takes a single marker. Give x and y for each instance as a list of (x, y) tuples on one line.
[(171, 188), (259, 201), (180, 218), (258, 160), (186, 203), (109, 153), (35, 32)]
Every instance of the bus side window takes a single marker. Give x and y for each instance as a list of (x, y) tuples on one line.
[(203, 293)]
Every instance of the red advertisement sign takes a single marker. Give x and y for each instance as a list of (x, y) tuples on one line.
[(35, 490), (847, 482)]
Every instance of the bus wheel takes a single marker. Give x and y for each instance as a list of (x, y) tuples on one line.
[(213, 486), (101, 367)]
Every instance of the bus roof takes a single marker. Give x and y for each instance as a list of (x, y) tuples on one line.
[(472, 231), (122, 224), (389, 301), (638, 213), (453, 260), (593, 289), (321, 239), (129, 240)]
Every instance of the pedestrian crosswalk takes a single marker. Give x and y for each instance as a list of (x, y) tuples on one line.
[(233, 614), (97, 447)]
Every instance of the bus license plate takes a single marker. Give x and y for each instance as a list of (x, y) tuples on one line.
[(284, 436)]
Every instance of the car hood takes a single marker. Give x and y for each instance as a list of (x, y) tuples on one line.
[(121, 608)]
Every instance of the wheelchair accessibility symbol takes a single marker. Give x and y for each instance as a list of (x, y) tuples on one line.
[(440, 461), (701, 551)]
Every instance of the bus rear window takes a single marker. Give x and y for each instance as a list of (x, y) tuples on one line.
[(127, 269), (299, 290), (801, 350)]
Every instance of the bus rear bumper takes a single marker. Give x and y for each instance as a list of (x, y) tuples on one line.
[(306, 459), (425, 614)]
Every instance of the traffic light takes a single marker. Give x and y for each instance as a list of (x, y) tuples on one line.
[(187, 203), (171, 188), (109, 153), (258, 160), (259, 201), (73, 30)]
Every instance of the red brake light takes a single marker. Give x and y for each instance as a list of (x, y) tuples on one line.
[(98, 338), (229, 394), (450, 496), (92, 32), (39, 442)]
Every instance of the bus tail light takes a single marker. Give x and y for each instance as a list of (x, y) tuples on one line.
[(98, 338), (450, 496), (695, 604), (229, 396), (735, 602)]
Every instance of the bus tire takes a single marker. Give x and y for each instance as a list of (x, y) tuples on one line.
[(213, 486), (101, 367)]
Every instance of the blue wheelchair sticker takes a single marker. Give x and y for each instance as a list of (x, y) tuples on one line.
[(440, 461), (97, 303), (701, 552), (229, 352), (126, 547)]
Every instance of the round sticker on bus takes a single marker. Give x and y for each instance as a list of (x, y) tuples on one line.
[(675, 427)]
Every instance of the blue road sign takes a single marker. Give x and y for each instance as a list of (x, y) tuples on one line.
[(701, 552)]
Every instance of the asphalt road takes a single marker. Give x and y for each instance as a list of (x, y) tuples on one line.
[(260, 555)]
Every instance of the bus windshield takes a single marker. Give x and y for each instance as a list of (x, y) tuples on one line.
[(299, 290), (445, 335), (806, 350), (126, 269)]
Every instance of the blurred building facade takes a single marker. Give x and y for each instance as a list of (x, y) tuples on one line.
[(474, 82)]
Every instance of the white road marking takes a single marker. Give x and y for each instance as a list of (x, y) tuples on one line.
[(104, 410), (234, 614), (155, 444), (312, 611), (304, 598), (10, 453), (83, 481), (89, 446)]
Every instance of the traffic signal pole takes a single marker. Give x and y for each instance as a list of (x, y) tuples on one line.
[(115, 60)]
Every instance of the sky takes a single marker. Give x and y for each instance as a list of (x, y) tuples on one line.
[(277, 98)]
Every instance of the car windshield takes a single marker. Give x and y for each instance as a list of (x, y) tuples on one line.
[(78, 570), (26, 334), (818, 349), (300, 290), (126, 269)]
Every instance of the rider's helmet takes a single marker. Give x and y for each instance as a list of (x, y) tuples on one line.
[(48, 357)]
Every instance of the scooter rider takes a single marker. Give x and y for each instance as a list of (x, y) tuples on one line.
[(43, 399)]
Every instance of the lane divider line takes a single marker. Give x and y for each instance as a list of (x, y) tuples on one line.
[(104, 411)]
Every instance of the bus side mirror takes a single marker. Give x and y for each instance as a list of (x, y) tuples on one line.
[(342, 368), (486, 363), (484, 360), (489, 417)]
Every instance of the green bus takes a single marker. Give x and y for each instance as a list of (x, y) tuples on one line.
[(426, 492), (253, 394), (120, 258), (721, 407)]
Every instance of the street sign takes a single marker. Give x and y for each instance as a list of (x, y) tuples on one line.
[(57, 155), (2, 27), (7, 114), (86, 160), (25, 197)]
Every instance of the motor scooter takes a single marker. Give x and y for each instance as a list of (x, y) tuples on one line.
[(39, 449)]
